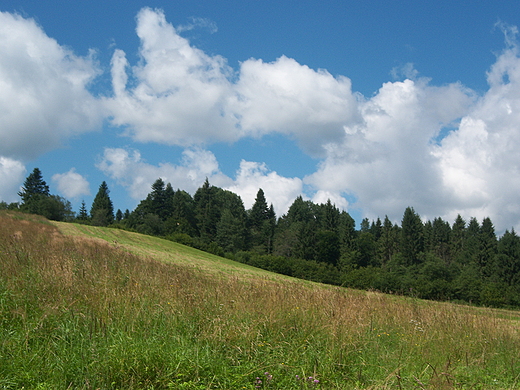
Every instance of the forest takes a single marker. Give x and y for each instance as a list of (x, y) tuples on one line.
[(462, 261)]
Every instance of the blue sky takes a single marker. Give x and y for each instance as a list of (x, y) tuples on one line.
[(375, 105)]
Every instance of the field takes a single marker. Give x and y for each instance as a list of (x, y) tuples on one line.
[(96, 308)]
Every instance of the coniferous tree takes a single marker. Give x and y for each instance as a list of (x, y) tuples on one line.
[(388, 243), (183, 218), (207, 211), (102, 210), (231, 232), (330, 217), (261, 223), (157, 200), (376, 228), (507, 260), (412, 238), (259, 211), (487, 246), (83, 213), (440, 239), (458, 238), (33, 192), (169, 194)]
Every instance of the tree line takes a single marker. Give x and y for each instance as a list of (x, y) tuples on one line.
[(463, 261)]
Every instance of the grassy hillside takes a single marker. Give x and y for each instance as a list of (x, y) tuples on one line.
[(94, 308)]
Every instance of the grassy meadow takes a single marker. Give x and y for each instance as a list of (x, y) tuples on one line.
[(95, 308)]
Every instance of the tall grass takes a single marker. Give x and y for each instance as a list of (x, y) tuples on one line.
[(76, 313)]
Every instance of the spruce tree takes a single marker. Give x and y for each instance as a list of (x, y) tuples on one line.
[(412, 237), (157, 199), (83, 214), (259, 211), (260, 224), (34, 191), (102, 211)]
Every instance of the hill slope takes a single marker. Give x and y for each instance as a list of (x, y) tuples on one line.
[(88, 308), (164, 250)]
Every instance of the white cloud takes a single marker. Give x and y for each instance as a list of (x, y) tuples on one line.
[(480, 162), (131, 171), (400, 158), (43, 90), (280, 191), (181, 96), (71, 184), (180, 93), (286, 97), (11, 176), (387, 162)]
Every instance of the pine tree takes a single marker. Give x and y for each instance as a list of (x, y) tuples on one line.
[(487, 247), (34, 191), (83, 214), (412, 238), (330, 217), (207, 211), (458, 237), (102, 210), (157, 200), (259, 223), (388, 242)]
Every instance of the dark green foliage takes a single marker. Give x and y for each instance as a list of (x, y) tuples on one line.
[(102, 210), (34, 191), (33, 187), (83, 213), (182, 219), (36, 199), (388, 243), (507, 261), (262, 222), (487, 247), (231, 233), (207, 211), (9, 206), (56, 208), (328, 248), (412, 236)]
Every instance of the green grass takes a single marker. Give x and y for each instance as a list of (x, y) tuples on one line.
[(107, 309)]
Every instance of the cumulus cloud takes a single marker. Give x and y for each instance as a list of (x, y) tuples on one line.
[(479, 161), (130, 170), (11, 176), (386, 162), (178, 94), (43, 90), (280, 191), (182, 96), (443, 150), (286, 97), (71, 184)]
